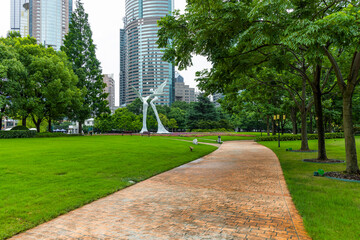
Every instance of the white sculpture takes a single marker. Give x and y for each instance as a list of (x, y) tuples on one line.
[(158, 92)]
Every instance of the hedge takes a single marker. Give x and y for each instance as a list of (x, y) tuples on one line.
[(298, 137), (52, 135), (17, 134), (33, 134), (22, 128), (212, 130)]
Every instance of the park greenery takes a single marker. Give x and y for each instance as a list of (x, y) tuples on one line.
[(36, 173), (80, 49), (180, 116), (38, 176), (275, 58), (40, 84), (329, 208)]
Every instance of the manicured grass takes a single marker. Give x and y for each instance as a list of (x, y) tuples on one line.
[(330, 208), (43, 178)]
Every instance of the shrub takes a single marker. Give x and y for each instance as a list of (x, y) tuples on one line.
[(298, 137), (57, 134), (22, 128), (212, 130), (17, 134)]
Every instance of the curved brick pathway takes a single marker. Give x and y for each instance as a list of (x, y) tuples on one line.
[(237, 192)]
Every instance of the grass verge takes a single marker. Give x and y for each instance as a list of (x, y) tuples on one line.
[(46, 177), (330, 208)]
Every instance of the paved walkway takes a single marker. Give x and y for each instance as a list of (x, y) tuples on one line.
[(237, 192)]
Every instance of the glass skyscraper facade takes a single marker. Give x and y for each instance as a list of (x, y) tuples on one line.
[(122, 92), (145, 69), (46, 20), (19, 16)]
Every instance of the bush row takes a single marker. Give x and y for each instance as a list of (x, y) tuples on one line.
[(17, 134), (32, 134), (213, 130), (51, 135), (298, 137)]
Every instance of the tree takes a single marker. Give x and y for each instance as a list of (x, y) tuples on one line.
[(39, 81), (179, 115), (181, 105), (124, 120), (201, 110), (172, 124), (333, 36), (5, 56), (135, 107), (55, 87), (238, 36), (80, 49), (103, 123)]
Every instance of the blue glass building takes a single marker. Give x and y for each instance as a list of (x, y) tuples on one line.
[(46, 20), (144, 68)]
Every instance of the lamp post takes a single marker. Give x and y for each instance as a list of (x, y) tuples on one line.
[(278, 118)]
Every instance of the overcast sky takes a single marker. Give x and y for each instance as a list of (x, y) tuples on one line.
[(105, 18)]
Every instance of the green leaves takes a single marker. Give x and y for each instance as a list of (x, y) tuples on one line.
[(80, 50)]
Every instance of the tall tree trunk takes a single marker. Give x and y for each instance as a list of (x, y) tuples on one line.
[(37, 127), (311, 122), (80, 127), (268, 125), (347, 89), (304, 138), (316, 88), (320, 127), (1, 122), (273, 127), (293, 120), (350, 145), (50, 130), (23, 121), (37, 123)]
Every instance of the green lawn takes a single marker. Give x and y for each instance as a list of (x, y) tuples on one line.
[(330, 208), (45, 177)]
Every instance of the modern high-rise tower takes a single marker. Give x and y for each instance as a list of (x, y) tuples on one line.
[(144, 68), (46, 20), (19, 16), (122, 92)]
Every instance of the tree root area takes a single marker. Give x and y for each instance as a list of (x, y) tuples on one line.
[(323, 161), (343, 175), (304, 151)]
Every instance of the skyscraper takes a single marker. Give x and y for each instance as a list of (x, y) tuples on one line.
[(110, 89), (19, 16), (145, 69), (122, 92), (46, 20)]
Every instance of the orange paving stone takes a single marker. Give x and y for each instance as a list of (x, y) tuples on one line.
[(237, 192)]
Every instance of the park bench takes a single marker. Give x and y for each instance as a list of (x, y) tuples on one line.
[(145, 133), (126, 132)]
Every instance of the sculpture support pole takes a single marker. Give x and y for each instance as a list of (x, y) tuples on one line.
[(161, 128), (145, 108)]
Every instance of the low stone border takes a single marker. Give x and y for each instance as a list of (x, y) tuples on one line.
[(343, 179), (330, 161), (300, 151), (343, 176)]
